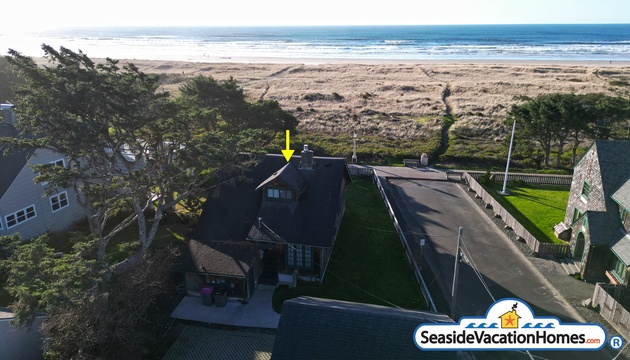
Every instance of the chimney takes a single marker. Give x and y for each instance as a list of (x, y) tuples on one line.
[(307, 158), (8, 114)]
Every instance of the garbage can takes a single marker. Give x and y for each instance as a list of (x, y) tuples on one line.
[(220, 296), (206, 295)]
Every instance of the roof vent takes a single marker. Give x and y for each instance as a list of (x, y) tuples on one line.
[(307, 158), (8, 114)]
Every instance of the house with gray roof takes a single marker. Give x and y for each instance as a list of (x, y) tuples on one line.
[(277, 224), (596, 222), (312, 328), (24, 207)]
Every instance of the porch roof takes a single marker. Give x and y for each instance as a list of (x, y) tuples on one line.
[(621, 247), (227, 258)]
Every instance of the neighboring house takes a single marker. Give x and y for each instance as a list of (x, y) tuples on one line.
[(24, 208), (312, 328), (279, 223), (596, 222)]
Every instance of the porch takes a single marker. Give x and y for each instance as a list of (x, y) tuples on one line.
[(256, 313)]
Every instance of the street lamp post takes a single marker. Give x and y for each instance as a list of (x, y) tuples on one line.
[(507, 167), (354, 149)]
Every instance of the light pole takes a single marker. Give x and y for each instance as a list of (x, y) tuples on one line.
[(354, 149), (507, 167), (456, 274)]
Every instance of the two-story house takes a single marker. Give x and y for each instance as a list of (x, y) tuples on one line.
[(279, 223), (596, 222), (24, 208)]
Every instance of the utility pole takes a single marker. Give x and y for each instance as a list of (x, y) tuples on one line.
[(456, 274)]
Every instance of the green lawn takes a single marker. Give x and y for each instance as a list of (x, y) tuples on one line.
[(367, 265), (537, 207)]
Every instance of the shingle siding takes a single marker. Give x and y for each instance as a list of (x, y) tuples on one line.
[(24, 192), (586, 170)]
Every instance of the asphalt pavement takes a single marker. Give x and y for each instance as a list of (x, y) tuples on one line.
[(434, 211)]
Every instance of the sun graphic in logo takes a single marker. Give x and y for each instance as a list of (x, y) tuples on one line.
[(509, 320)]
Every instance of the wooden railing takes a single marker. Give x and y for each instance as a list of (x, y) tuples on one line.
[(533, 243), (405, 244), (542, 179)]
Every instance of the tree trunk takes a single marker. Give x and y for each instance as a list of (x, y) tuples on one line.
[(560, 152)]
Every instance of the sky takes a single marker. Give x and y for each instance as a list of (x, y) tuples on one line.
[(25, 15)]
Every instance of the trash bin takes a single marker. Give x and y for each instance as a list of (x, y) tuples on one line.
[(220, 296), (206, 295)]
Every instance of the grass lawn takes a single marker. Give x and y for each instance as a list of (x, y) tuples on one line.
[(366, 266), (537, 207)]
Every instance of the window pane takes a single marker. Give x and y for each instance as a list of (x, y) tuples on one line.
[(269, 193)]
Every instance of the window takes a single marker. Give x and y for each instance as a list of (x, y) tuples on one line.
[(1, 228), (21, 216), (59, 201), (60, 162), (620, 270), (283, 194), (586, 190), (300, 256), (576, 215)]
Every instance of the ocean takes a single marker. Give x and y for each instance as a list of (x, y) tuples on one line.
[(449, 42)]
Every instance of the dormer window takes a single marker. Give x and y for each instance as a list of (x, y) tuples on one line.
[(586, 190), (279, 194)]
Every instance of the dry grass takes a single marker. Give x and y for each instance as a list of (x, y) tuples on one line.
[(401, 100)]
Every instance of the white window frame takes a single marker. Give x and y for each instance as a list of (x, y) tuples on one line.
[(56, 162), (59, 201), (300, 256), (17, 219), (1, 227)]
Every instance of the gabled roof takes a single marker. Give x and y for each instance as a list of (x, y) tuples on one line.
[(622, 195), (614, 163), (311, 220), (11, 164), (312, 328), (601, 231), (621, 247), (290, 176)]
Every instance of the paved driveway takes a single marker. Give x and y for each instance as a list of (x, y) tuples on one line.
[(434, 210)]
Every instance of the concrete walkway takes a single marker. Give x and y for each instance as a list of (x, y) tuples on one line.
[(256, 313)]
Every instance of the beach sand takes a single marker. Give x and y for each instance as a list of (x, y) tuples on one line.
[(401, 99)]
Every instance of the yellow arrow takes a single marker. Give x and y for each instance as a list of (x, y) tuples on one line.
[(287, 152)]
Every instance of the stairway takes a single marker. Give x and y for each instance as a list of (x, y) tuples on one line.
[(570, 266)]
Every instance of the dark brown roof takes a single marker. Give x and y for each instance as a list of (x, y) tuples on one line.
[(231, 258)]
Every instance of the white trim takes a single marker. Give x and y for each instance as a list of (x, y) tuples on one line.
[(15, 214), (59, 201), (63, 164), (1, 227)]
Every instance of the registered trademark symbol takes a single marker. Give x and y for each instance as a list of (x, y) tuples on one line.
[(616, 342)]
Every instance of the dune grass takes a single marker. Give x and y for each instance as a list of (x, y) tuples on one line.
[(537, 207), (367, 265)]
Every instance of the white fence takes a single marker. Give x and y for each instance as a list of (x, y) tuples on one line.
[(405, 244)]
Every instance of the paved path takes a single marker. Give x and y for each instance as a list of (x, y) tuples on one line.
[(434, 210), (256, 313)]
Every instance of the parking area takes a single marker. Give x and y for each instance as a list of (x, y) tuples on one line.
[(434, 210)]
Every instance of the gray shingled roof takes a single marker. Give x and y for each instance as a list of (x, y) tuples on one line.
[(204, 343), (290, 176), (11, 164), (622, 195), (621, 246), (312, 328)]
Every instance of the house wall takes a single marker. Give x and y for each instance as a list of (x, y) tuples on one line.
[(24, 192), (586, 170)]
